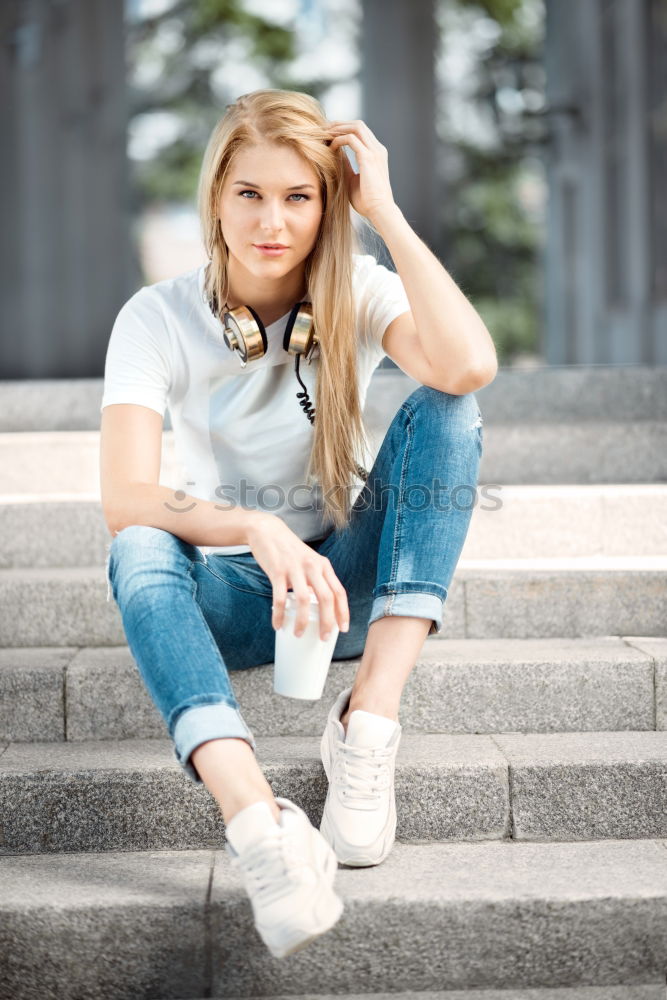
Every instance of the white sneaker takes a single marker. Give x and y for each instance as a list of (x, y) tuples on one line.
[(359, 819), (288, 871)]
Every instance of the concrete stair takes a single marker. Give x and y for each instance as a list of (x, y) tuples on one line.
[(490, 686), (61, 462), (490, 599), (432, 916), (566, 993), (130, 794), (519, 522), (531, 860)]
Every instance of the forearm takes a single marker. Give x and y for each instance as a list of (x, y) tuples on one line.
[(199, 522), (450, 329)]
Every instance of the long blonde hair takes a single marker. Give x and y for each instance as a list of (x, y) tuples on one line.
[(298, 120)]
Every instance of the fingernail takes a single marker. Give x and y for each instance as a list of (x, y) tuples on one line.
[(346, 626), (326, 636)]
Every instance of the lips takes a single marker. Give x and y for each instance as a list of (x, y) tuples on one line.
[(270, 251), (271, 246)]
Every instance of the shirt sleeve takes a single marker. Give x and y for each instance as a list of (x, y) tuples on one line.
[(382, 298), (137, 368)]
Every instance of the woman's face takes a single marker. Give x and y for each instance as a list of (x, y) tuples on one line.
[(257, 207)]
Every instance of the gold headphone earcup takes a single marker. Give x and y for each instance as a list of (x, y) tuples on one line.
[(299, 336), (245, 333)]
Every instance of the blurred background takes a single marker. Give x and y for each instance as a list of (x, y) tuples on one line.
[(527, 147)]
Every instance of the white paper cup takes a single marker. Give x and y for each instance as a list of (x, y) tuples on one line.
[(301, 663)]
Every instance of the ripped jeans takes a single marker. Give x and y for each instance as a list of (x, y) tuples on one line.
[(190, 618)]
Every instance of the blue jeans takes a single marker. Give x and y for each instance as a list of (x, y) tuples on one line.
[(189, 618)]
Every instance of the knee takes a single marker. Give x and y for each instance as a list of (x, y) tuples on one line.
[(453, 414), (142, 559), (140, 544), (137, 536)]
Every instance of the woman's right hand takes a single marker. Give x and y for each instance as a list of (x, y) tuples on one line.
[(289, 562)]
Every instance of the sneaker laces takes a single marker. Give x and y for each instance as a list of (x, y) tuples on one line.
[(269, 867), (362, 773)]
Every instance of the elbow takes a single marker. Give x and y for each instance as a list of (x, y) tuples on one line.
[(486, 377), (475, 379), (113, 521)]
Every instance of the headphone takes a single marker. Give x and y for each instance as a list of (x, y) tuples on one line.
[(244, 333)]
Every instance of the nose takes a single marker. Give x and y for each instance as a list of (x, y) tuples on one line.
[(272, 216)]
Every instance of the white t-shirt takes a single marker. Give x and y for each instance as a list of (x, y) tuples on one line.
[(240, 434)]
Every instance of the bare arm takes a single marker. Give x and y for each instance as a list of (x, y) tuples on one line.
[(130, 451), (200, 522)]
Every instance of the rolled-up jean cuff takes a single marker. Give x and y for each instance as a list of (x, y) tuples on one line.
[(416, 605), (206, 722)]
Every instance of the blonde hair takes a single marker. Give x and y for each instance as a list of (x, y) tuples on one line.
[(298, 121)]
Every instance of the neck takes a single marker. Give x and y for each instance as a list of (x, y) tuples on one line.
[(270, 299)]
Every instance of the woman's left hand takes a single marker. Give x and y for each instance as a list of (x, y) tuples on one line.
[(369, 190)]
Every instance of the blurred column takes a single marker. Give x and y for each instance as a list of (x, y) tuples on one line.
[(398, 49), (606, 252), (64, 247)]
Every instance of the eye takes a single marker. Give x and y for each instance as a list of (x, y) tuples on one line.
[(295, 195)]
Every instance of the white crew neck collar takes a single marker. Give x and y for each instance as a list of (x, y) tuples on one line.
[(214, 320)]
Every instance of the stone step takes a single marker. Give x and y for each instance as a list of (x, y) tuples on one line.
[(67, 462), (457, 686), (38, 530), (544, 394), (498, 914), (132, 795), (502, 598), (654, 991)]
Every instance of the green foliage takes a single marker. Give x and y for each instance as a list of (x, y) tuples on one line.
[(514, 322), (270, 41), (502, 11), (171, 177), (515, 34), (493, 241)]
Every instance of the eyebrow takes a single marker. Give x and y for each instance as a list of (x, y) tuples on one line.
[(296, 187)]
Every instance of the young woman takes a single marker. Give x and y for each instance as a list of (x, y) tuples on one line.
[(201, 584)]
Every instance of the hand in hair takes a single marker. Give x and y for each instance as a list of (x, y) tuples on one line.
[(369, 190), (289, 562)]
